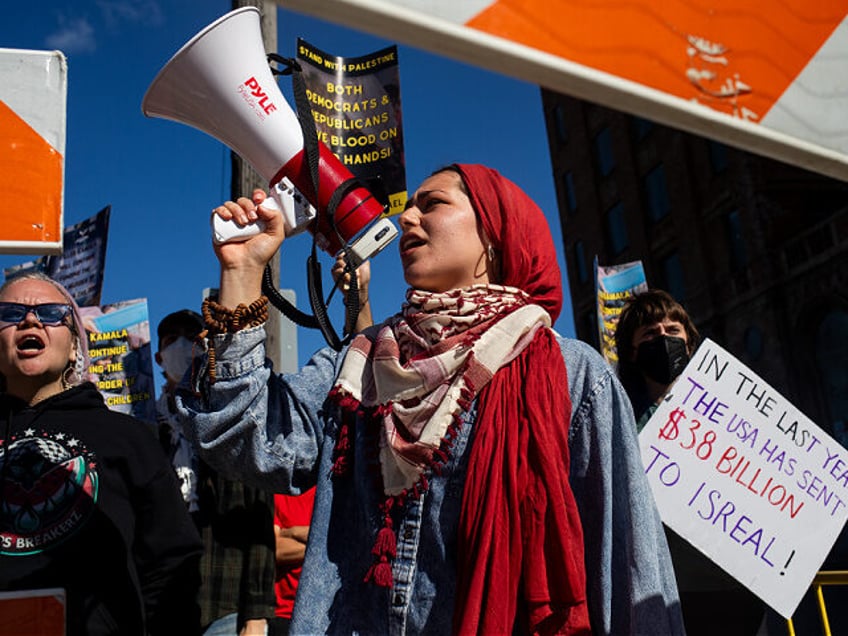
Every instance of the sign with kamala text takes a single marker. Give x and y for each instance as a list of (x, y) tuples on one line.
[(120, 358), (745, 477), (614, 284)]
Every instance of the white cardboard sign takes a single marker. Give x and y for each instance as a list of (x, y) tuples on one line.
[(745, 477)]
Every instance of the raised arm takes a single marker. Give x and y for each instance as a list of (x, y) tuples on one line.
[(246, 421), (243, 262)]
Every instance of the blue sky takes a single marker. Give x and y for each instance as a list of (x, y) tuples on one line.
[(162, 179)]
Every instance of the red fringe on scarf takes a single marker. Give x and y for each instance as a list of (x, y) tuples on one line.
[(385, 545)]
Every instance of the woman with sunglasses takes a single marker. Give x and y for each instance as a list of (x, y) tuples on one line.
[(88, 501), (475, 472)]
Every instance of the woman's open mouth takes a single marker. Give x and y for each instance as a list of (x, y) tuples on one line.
[(30, 343), (409, 243)]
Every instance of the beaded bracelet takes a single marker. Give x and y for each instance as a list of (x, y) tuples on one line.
[(220, 319)]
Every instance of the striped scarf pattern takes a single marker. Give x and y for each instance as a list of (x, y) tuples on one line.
[(425, 365)]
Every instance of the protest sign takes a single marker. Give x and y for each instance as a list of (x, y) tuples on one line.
[(119, 352), (81, 264), (40, 611), (745, 477), (614, 284), (356, 105)]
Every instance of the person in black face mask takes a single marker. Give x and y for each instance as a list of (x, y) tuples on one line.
[(655, 338)]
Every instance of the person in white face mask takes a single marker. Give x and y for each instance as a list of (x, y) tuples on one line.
[(178, 341), (236, 522), (177, 358)]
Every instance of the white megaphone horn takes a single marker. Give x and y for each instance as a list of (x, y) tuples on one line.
[(220, 82)]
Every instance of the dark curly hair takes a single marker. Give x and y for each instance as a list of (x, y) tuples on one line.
[(642, 309)]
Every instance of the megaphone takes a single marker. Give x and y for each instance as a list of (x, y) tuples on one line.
[(220, 82)]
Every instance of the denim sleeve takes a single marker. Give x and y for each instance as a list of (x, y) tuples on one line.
[(630, 578), (254, 425)]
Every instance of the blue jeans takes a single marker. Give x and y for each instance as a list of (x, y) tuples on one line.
[(224, 626)]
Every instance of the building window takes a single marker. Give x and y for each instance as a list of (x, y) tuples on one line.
[(570, 197), (641, 127), (617, 229), (656, 194), (603, 152), (736, 242), (673, 281), (831, 351), (580, 262), (718, 156), (559, 122), (754, 343)]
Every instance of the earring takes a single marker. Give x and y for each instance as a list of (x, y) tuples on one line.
[(66, 377), (490, 253), (80, 366)]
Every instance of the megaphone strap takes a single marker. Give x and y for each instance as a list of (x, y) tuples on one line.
[(279, 301), (289, 64), (316, 300), (320, 318), (304, 112)]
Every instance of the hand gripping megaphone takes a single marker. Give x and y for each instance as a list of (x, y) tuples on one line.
[(220, 82)]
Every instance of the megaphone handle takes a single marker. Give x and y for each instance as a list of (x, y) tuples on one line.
[(231, 232)]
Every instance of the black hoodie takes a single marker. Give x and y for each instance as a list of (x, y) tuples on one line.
[(89, 503)]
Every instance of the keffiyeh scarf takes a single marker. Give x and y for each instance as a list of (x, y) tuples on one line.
[(427, 362), (412, 378)]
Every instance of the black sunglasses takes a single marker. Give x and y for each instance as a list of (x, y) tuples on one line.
[(47, 313)]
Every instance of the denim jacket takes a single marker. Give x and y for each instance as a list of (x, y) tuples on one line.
[(278, 432)]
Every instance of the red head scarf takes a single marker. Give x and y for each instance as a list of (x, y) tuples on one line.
[(520, 544), (519, 232)]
